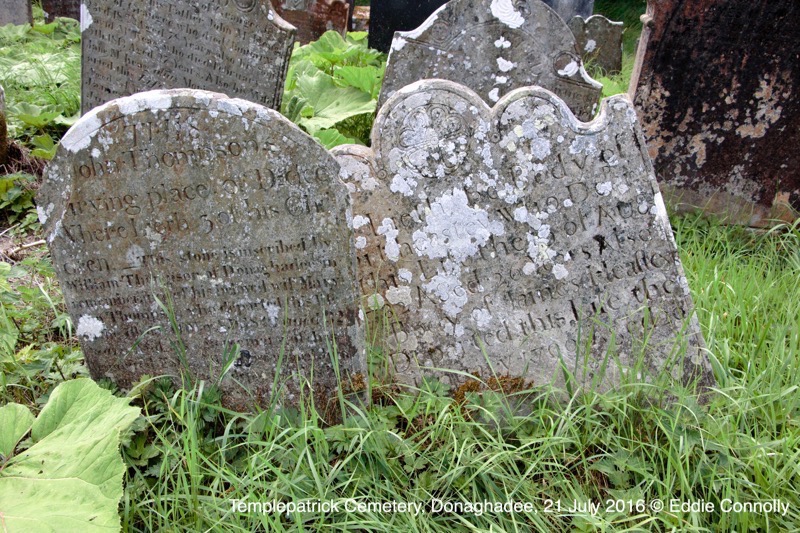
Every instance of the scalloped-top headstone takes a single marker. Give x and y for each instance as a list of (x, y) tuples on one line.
[(599, 40), (517, 235), (15, 12), (237, 47), (493, 47), (312, 18), (222, 206)]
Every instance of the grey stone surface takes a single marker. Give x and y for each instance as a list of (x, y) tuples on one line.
[(237, 47), (312, 18), (567, 9), (15, 12), (61, 8), (516, 234), (493, 47), (600, 41), (228, 208)]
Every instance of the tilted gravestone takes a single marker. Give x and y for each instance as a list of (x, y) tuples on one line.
[(15, 12), (312, 18), (567, 9), (493, 47), (222, 206), (237, 47), (716, 89), (599, 41), (61, 8), (389, 16), (502, 240)]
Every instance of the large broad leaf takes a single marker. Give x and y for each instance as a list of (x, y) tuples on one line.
[(367, 79), (71, 477), (331, 104), (15, 421), (330, 138)]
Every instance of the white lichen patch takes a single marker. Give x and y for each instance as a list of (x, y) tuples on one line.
[(505, 65), (86, 18), (80, 135), (388, 230), (494, 94), (361, 242), (570, 70), (399, 296), (134, 256), (398, 43), (560, 271), (375, 301), (360, 221), (405, 275), (482, 318), (604, 189), (44, 213), (454, 229), (90, 328), (503, 10), (591, 46), (447, 287), (502, 42)]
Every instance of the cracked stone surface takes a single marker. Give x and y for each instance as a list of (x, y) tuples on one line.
[(518, 235), (717, 96), (222, 206), (494, 47), (240, 48)]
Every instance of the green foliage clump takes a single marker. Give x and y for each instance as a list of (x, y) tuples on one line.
[(68, 474), (332, 88), (40, 72)]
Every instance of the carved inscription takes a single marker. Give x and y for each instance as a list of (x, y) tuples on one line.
[(223, 208), (494, 47), (516, 235), (239, 47)]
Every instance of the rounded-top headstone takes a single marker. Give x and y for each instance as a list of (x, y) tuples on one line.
[(221, 213)]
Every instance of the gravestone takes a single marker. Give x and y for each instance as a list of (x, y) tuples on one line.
[(567, 9), (15, 12), (222, 207), (61, 8), (516, 235), (716, 89), (494, 47), (599, 41), (312, 18), (3, 128), (240, 48)]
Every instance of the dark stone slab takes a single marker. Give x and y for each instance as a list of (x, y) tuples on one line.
[(61, 8), (226, 212), (716, 88), (599, 41), (494, 47), (240, 48), (501, 240), (389, 16), (312, 18), (15, 12)]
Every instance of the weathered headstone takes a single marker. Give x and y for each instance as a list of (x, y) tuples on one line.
[(599, 41), (567, 9), (312, 18), (519, 236), (494, 47), (389, 16), (15, 12), (240, 48), (716, 86), (61, 8), (360, 20), (222, 206)]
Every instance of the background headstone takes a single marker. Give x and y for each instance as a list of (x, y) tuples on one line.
[(360, 20), (239, 48), (223, 206), (15, 12), (61, 8), (494, 47), (312, 18), (389, 16), (599, 41), (716, 88), (567, 9), (516, 234)]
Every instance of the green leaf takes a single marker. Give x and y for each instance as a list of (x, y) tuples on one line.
[(34, 115), (71, 477), (331, 137), (15, 421), (45, 147), (331, 104), (367, 79)]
